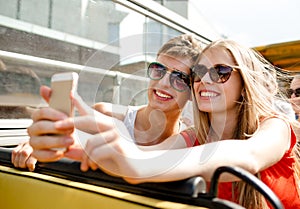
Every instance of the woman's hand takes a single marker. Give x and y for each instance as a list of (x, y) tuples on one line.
[(114, 152), (90, 120), (50, 129), (22, 158), (23, 155)]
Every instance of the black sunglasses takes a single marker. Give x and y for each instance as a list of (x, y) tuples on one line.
[(219, 73), (290, 92), (178, 80)]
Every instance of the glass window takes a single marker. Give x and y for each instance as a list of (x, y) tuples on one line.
[(108, 44)]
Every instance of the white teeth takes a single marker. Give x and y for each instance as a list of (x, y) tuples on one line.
[(162, 95), (207, 94)]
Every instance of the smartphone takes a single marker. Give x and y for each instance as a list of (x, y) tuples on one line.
[(63, 85)]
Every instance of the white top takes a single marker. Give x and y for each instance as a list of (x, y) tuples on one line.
[(130, 118)]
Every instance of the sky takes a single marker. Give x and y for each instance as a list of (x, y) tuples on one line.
[(253, 22)]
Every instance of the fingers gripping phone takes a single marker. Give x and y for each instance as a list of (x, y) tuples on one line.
[(63, 85)]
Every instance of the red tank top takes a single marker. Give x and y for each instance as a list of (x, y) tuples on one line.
[(279, 177)]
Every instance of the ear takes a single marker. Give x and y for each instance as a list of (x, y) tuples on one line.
[(243, 93)]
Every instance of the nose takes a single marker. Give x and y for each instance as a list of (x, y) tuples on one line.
[(165, 80), (293, 95), (206, 78)]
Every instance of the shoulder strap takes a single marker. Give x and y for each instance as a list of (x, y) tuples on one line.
[(190, 138)]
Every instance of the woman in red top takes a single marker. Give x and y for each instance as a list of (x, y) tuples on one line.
[(236, 124), (234, 100)]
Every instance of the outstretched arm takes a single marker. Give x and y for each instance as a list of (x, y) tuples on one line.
[(112, 110), (53, 129), (22, 155), (116, 155)]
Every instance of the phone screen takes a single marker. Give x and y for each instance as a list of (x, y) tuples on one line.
[(62, 85)]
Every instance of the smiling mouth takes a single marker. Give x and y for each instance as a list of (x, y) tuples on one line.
[(162, 95), (208, 94)]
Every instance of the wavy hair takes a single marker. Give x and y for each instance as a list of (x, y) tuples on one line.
[(260, 89), (184, 46)]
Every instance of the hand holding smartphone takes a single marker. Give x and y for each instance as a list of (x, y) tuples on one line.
[(63, 85)]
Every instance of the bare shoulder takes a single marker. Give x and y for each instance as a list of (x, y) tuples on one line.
[(276, 129), (274, 122)]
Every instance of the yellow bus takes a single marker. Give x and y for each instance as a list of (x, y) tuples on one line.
[(91, 37)]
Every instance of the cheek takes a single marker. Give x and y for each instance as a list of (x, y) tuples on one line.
[(233, 94), (150, 87), (232, 89), (151, 83), (233, 97), (196, 86)]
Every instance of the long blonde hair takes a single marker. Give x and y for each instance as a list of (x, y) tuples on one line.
[(256, 103)]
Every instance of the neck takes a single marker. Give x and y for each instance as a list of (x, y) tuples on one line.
[(154, 126), (223, 125)]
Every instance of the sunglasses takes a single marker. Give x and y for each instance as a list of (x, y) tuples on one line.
[(219, 73), (178, 80), (290, 92)]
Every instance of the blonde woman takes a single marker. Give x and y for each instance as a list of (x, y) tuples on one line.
[(240, 90)]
